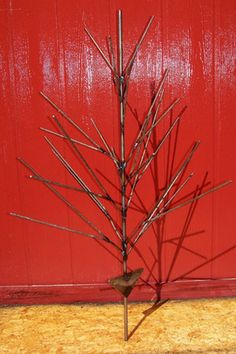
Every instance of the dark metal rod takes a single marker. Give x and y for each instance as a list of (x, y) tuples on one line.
[(166, 192), (168, 202), (144, 166), (69, 119), (100, 50), (109, 151), (83, 185), (64, 228), (123, 164), (172, 105), (63, 199), (74, 140), (155, 121), (141, 136), (157, 94), (100, 149), (142, 132), (136, 148), (133, 185), (67, 186), (146, 163), (132, 59), (147, 222), (113, 63), (214, 189), (159, 215), (129, 66), (89, 169), (177, 191), (111, 51), (145, 149), (114, 154)]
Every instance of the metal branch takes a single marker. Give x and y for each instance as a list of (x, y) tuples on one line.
[(78, 153), (144, 166), (143, 131), (113, 63), (83, 185), (123, 163), (145, 150), (146, 163), (111, 52), (69, 119), (100, 51), (132, 59), (63, 199), (64, 228), (214, 189), (129, 66), (109, 151), (161, 214), (172, 105), (176, 192), (149, 220), (136, 148), (74, 140), (41, 179)]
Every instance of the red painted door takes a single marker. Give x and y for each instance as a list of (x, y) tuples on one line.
[(44, 47)]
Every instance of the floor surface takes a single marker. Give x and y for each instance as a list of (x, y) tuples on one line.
[(192, 326)]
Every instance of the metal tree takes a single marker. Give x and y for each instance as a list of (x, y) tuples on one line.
[(130, 166)]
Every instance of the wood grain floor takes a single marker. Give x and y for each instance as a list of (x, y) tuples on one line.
[(193, 326)]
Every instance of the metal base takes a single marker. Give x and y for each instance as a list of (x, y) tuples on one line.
[(126, 282)]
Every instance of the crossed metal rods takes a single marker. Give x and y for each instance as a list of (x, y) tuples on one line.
[(138, 158)]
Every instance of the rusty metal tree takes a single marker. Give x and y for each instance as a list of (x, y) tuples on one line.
[(131, 163)]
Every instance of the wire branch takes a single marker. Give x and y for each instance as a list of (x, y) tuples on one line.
[(100, 51), (84, 186), (109, 151), (69, 119), (132, 59), (111, 53), (142, 132), (146, 163), (84, 161), (148, 221), (168, 202), (138, 174), (66, 186), (214, 189), (74, 140), (161, 214), (168, 109), (133, 186), (63, 199), (64, 228), (129, 66), (113, 63)]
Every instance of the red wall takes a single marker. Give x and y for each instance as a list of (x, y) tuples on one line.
[(44, 47)]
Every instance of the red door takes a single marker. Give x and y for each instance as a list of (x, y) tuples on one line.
[(44, 47)]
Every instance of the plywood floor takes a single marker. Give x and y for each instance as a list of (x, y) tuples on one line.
[(193, 326)]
